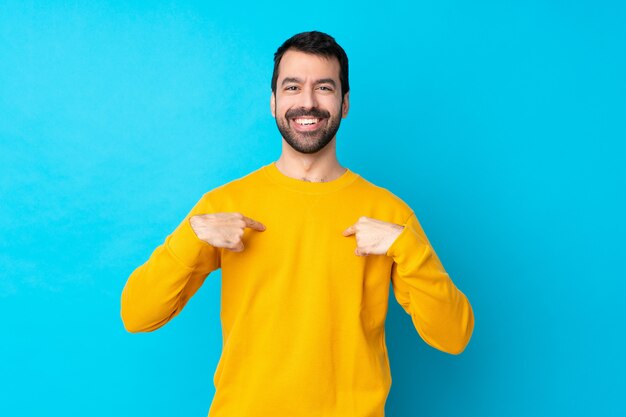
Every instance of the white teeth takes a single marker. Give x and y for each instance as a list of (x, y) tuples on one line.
[(307, 121)]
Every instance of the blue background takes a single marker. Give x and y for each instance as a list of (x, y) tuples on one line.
[(502, 124)]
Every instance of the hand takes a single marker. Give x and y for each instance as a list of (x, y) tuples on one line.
[(373, 237), (223, 230)]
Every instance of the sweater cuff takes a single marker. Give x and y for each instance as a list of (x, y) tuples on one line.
[(186, 246)]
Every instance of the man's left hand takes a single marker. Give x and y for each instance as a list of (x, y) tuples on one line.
[(373, 237)]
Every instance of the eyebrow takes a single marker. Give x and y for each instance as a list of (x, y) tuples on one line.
[(298, 80)]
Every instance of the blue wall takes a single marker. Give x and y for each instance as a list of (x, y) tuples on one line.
[(501, 123)]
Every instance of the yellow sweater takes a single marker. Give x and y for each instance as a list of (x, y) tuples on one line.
[(302, 315)]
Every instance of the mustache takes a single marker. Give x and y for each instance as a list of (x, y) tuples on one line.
[(314, 112)]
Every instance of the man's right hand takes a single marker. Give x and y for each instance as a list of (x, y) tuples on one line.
[(223, 230)]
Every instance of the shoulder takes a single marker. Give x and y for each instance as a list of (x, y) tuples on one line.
[(238, 189), (386, 198)]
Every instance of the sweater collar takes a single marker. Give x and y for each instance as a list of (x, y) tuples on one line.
[(308, 187)]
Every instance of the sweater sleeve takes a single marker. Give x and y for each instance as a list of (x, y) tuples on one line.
[(441, 313), (158, 290)]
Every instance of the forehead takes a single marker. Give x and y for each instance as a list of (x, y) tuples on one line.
[(302, 65)]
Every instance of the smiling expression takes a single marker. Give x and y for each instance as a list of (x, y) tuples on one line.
[(307, 104)]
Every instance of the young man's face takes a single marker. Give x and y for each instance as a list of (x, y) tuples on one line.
[(307, 104)]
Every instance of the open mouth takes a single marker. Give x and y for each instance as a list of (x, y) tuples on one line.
[(306, 124)]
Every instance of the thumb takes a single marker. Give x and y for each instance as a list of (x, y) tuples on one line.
[(238, 247)]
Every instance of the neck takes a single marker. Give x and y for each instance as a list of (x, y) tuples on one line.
[(312, 168)]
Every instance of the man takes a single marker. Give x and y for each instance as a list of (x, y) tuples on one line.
[(307, 249)]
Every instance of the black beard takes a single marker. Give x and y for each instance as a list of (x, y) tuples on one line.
[(308, 142)]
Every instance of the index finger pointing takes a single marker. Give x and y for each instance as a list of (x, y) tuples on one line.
[(349, 231), (253, 224)]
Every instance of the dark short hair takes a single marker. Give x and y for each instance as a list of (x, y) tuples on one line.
[(316, 43)]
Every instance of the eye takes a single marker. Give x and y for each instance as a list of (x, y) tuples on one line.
[(291, 88), (327, 88)]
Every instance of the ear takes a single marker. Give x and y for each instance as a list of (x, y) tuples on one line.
[(273, 104), (346, 105)]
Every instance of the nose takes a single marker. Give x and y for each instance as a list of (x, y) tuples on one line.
[(308, 98)]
